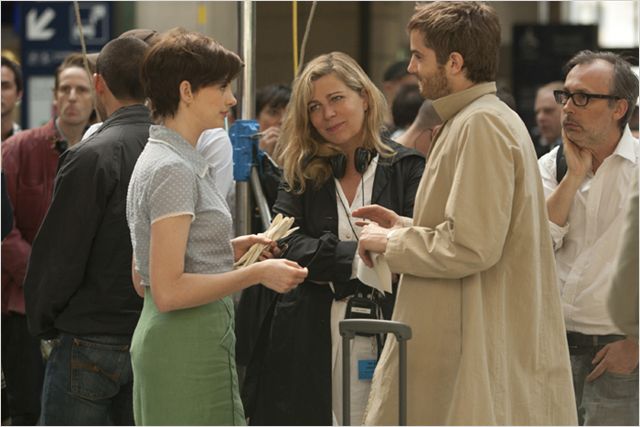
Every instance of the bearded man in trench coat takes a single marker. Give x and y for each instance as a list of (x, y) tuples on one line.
[(478, 280)]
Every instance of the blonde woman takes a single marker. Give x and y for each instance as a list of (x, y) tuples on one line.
[(334, 160), (183, 346)]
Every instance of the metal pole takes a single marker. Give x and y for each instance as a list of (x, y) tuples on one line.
[(243, 196), (249, 58), (543, 12), (261, 200), (403, 377), (346, 378), (402, 331)]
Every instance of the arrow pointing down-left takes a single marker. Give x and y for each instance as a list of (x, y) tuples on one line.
[(37, 25)]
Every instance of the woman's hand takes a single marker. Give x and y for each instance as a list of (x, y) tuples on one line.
[(242, 244), (281, 275)]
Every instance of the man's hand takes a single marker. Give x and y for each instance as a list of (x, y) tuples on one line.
[(269, 139), (620, 357), (382, 216), (579, 160), (373, 238)]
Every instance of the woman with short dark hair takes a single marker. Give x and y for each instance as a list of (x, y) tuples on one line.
[(183, 347)]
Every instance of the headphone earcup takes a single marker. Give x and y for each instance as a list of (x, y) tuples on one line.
[(362, 159), (338, 165)]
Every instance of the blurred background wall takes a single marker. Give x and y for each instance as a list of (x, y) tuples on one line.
[(537, 37)]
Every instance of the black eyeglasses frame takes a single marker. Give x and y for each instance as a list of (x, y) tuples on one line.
[(558, 95)]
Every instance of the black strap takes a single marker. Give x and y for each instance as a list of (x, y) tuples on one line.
[(561, 163)]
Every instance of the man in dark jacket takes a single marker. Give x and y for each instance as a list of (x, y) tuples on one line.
[(78, 286), (29, 163)]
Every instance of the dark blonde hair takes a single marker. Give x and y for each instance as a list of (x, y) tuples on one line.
[(302, 152), (470, 28), (182, 55)]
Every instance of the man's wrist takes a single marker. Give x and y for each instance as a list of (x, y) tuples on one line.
[(391, 233)]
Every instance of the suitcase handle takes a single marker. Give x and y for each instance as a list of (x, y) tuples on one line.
[(348, 329)]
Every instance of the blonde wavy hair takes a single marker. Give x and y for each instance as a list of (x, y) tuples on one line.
[(301, 151)]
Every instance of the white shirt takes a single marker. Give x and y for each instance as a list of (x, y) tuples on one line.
[(215, 147), (361, 347), (586, 246)]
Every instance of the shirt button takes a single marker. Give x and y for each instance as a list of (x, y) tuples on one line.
[(349, 236)]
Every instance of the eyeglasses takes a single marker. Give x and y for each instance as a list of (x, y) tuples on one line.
[(579, 99)]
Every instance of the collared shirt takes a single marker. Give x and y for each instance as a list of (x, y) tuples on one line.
[(215, 146), (362, 348), (585, 247), (170, 179), (347, 223)]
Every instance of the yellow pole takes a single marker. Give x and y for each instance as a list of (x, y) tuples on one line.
[(202, 13), (295, 36)]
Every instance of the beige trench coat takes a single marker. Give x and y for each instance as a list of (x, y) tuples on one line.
[(478, 282)]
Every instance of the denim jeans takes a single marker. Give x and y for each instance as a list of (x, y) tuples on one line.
[(88, 381), (612, 399)]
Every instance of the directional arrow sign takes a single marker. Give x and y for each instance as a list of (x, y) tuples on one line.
[(37, 25)]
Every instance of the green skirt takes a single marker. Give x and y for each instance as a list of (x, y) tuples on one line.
[(184, 366)]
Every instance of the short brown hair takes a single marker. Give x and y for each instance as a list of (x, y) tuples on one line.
[(470, 28), (624, 83), (71, 60), (182, 55)]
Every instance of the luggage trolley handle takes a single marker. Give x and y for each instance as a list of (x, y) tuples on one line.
[(348, 329)]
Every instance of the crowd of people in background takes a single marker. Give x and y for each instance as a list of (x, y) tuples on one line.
[(513, 252)]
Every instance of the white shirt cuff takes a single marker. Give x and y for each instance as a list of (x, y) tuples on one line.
[(558, 233)]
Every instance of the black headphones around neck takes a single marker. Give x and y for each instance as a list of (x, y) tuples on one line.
[(362, 158)]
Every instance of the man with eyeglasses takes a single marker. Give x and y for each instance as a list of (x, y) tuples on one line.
[(586, 215)]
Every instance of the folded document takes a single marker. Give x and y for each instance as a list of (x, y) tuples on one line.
[(378, 277)]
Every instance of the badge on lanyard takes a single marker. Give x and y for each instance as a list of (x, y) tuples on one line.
[(366, 368)]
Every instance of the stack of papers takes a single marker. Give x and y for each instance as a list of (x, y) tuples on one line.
[(279, 229)]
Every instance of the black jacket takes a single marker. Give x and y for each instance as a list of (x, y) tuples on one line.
[(79, 275), (290, 384)]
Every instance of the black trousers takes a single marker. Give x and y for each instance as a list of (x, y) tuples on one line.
[(23, 370)]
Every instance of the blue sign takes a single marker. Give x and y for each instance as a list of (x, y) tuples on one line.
[(49, 32)]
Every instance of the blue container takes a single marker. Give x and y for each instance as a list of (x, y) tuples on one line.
[(243, 134)]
